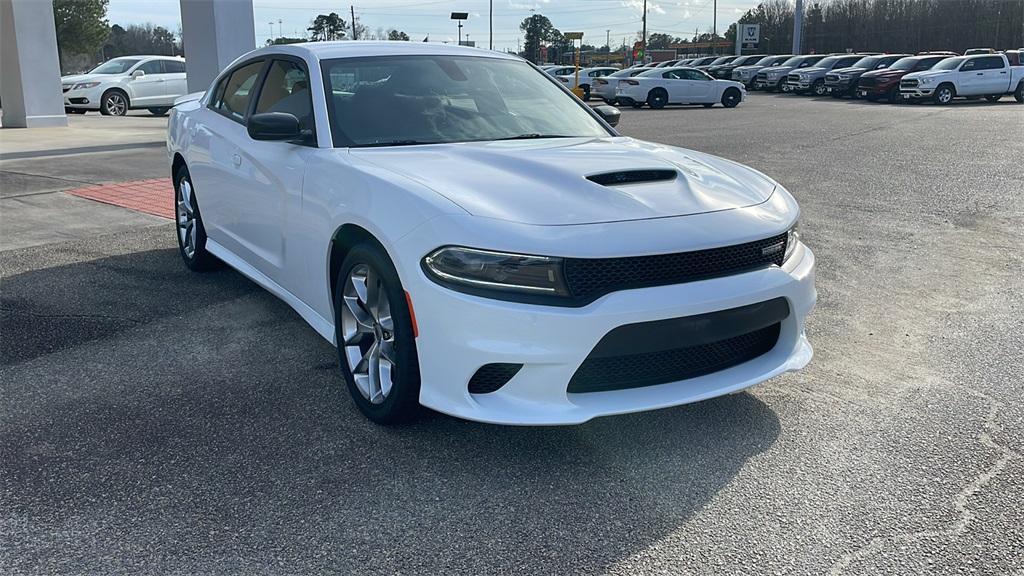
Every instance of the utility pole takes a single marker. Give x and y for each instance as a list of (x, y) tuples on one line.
[(355, 35), (714, 29), (271, 30), (491, 41), (643, 39), (798, 24), (280, 32), (608, 43)]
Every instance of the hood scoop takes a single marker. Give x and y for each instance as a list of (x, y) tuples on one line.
[(632, 177)]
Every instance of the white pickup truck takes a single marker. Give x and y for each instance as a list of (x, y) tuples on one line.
[(988, 75)]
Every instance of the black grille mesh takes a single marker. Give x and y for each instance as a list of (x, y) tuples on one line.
[(650, 368), (589, 278), (491, 377), (869, 81)]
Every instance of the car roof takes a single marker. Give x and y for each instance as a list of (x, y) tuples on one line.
[(349, 49)]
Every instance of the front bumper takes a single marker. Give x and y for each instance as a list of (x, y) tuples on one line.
[(916, 93), (839, 86), (798, 86), (87, 99), (459, 333)]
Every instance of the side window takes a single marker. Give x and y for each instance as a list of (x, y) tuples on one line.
[(671, 75), (991, 63), (233, 101), (970, 65), (695, 75), (286, 89), (174, 67), (151, 67)]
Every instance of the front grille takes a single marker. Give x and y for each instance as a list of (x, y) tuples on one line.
[(911, 83), (793, 78), (491, 377), (831, 78), (590, 278), (761, 77), (865, 82), (682, 348)]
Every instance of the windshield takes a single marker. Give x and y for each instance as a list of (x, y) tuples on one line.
[(868, 62), (905, 64), (794, 61), (766, 61), (723, 60), (402, 100), (626, 73), (826, 63), (949, 64), (648, 73), (115, 66)]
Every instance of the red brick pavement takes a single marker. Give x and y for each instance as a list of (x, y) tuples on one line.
[(154, 197)]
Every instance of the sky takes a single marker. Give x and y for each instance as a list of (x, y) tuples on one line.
[(423, 18)]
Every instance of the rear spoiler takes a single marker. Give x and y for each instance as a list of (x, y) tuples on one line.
[(189, 97)]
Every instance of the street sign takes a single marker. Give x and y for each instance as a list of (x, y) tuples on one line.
[(573, 35), (750, 35)]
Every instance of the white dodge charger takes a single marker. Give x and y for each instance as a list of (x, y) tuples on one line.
[(661, 86), (475, 239)]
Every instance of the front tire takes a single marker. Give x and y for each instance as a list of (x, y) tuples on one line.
[(993, 97), (731, 97), (657, 98), (191, 233), (894, 95), (943, 95), (818, 88), (114, 103), (376, 342)]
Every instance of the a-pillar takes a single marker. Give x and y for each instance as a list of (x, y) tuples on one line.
[(29, 66), (215, 32)]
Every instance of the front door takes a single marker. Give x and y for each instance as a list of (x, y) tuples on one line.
[(149, 88), (700, 87)]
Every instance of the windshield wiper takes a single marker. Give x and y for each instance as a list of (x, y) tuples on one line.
[(396, 143), (533, 135)]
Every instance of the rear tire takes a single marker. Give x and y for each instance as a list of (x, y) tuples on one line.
[(158, 111), (657, 98), (374, 331), (586, 92), (1018, 94)]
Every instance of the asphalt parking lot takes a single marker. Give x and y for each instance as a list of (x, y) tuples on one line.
[(158, 421)]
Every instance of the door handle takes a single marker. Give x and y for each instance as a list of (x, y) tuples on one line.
[(236, 159), (980, 74)]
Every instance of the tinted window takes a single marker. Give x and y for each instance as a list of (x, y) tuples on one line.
[(990, 63), (233, 101), (286, 89), (174, 67), (151, 67)]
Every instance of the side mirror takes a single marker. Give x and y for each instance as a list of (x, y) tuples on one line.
[(138, 74), (610, 114), (274, 126)]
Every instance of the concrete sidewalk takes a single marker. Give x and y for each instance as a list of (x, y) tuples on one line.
[(37, 165)]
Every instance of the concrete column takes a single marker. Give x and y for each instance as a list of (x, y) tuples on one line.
[(798, 27), (215, 33), (29, 67)]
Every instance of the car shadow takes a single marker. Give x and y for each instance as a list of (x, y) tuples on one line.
[(163, 419)]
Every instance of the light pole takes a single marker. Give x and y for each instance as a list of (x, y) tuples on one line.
[(643, 37), (714, 29), (608, 43), (459, 17), (490, 41), (271, 30)]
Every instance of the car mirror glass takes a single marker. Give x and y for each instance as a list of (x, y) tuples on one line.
[(138, 74)]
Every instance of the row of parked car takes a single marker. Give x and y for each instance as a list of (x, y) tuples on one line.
[(935, 76)]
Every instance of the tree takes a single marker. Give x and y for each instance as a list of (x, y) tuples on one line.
[(397, 35), (141, 39), (285, 40), (658, 41), (538, 29), (81, 25), (327, 27)]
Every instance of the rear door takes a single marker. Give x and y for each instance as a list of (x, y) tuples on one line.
[(995, 77), (174, 80), (676, 85), (971, 78)]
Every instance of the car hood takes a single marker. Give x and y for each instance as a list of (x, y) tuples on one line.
[(850, 70), (815, 70), (928, 73), (783, 69), (543, 182), (885, 72), (86, 78)]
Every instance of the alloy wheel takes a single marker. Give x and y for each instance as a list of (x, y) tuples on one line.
[(116, 104), (368, 331), (945, 95), (185, 214)]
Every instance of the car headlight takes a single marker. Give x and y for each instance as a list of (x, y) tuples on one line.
[(803, 77), (86, 85), (925, 81), (488, 273), (792, 239), (843, 77)]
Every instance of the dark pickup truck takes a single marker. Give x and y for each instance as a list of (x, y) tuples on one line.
[(885, 83), (843, 82)]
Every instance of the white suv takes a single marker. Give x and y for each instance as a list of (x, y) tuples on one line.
[(128, 82)]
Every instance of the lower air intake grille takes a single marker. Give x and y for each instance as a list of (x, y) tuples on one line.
[(491, 377), (589, 278), (661, 351), (648, 369)]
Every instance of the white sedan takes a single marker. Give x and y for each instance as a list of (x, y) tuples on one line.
[(126, 83), (474, 239), (586, 78), (662, 86)]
